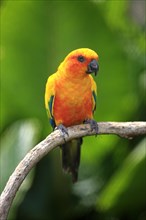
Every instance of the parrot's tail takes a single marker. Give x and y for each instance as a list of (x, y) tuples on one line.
[(71, 157)]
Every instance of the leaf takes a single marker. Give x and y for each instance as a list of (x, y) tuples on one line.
[(125, 191), (16, 141)]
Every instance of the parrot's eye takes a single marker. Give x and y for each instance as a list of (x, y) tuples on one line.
[(81, 59)]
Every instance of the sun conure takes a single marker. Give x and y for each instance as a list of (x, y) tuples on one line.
[(70, 99)]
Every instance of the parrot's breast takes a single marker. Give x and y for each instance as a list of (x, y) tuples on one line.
[(73, 102)]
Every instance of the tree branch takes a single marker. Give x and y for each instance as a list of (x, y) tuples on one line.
[(122, 129)]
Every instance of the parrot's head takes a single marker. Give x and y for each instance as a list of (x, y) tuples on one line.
[(80, 63)]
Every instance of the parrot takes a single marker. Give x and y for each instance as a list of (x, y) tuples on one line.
[(70, 99)]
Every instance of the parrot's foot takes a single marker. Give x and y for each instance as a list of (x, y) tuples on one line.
[(93, 124), (63, 129)]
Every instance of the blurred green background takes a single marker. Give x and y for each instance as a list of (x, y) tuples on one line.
[(35, 38)]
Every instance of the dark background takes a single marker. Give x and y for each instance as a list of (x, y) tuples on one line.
[(35, 38)]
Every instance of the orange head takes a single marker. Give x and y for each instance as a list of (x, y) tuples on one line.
[(80, 63)]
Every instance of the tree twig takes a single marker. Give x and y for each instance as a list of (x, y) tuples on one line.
[(122, 129)]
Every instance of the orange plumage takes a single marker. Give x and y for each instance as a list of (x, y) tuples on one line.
[(71, 91)]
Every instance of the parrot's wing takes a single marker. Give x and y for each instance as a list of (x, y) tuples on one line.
[(94, 93), (49, 98)]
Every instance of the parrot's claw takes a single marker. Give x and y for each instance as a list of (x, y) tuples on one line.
[(63, 129), (93, 124)]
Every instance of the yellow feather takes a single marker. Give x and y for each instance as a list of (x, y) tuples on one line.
[(50, 91)]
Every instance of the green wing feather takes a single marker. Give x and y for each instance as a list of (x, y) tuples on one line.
[(94, 93), (49, 98)]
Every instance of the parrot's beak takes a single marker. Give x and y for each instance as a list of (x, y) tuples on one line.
[(93, 67)]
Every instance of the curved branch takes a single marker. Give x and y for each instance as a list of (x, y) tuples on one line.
[(122, 129)]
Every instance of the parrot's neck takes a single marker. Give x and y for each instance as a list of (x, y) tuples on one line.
[(73, 77)]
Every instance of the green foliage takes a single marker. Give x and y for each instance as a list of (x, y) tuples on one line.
[(125, 184), (35, 37), (16, 141)]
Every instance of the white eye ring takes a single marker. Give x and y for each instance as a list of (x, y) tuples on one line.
[(81, 58)]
